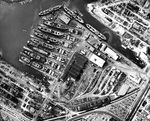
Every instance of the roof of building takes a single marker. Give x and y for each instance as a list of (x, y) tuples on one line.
[(111, 53), (97, 60), (123, 90), (65, 18)]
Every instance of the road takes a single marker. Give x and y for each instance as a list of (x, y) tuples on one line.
[(138, 103), (90, 112)]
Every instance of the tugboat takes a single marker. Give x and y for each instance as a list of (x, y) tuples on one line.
[(50, 10)]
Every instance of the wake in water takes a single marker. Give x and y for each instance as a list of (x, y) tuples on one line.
[(67, 3), (108, 35), (1, 53)]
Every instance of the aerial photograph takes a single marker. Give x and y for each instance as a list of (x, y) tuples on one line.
[(74, 60)]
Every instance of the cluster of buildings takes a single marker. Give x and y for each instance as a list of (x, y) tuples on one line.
[(18, 98), (143, 112), (129, 19)]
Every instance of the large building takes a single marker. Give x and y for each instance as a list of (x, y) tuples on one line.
[(96, 60), (111, 53)]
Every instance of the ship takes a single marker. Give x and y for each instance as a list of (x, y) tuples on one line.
[(68, 11), (43, 44), (53, 40), (54, 24), (41, 41), (101, 36), (40, 35), (72, 14), (50, 31), (36, 65), (33, 55), (28, 52), (48, 46), (79, 19), (24, 59), (30, 43), (39, 50), (57, 33), (36, 40), (43, 28), (91, 28), (50, 10)]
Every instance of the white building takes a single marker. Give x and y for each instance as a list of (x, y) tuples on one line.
[(96, 60), (111, 53), (123, 89)]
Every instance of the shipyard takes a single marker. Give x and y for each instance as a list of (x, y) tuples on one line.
[(76, 74)]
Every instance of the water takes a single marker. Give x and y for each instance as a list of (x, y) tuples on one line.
[(16, 21)]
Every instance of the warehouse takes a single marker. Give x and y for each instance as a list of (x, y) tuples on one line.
[(97, 60), (111, 53), (75, 67)]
